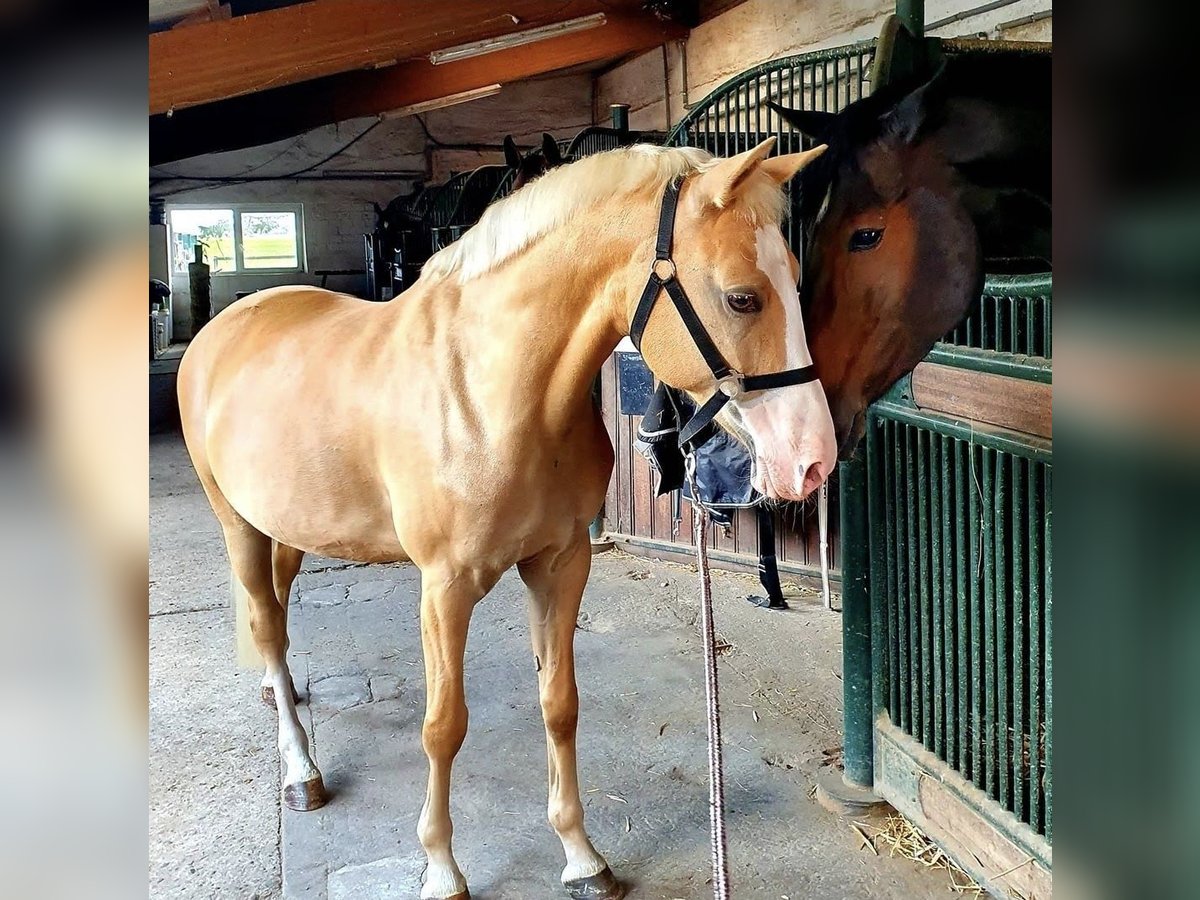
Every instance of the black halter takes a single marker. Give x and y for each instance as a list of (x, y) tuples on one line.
[(729, 383)]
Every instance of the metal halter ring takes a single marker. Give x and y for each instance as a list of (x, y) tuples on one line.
[(730, 386), (669, 265)]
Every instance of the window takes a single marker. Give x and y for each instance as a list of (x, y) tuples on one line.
[(240, 238)]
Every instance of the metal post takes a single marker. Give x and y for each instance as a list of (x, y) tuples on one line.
[(849, 792), (912, 16), (620, 116), (858, 753)]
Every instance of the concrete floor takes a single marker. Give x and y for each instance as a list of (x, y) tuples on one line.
[(216, 826)]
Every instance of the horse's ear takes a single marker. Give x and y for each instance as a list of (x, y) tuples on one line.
[(378, 210), (720, 184), (906, 119), (784, 168), (550, 150), (512, 156), (809, 122)]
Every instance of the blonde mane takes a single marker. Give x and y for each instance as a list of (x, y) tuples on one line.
[(512, 224)]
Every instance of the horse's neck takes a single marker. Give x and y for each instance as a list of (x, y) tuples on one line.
[(559, 309)]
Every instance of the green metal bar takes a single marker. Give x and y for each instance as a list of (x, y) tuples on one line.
[(911, 14), (949, 682), (882, 658), (1031, 343), (989, 624), (1036, 497), (890, 647), (924, 608), (998, 326), (975, 617), (936, 591), (739, 81), (914, 589), (1049, 657), (1003, 552), (1020, 805), (1048, 328), (905, 677), (858, 749), (961, 604), (1022, 445)]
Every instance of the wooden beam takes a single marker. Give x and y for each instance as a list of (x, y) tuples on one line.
[(978, 396), (285, 112), (212, 61)]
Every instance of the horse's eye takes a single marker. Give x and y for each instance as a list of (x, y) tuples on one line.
[(865, 239), (743, 301)]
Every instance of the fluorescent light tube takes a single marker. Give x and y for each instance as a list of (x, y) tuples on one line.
[(516, 39), (425, 106)]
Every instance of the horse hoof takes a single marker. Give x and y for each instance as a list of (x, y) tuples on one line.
[(305, 795), (268, 695), (601, 886)]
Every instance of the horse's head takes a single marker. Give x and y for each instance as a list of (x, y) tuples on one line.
[(732, 261), (534, 163), (893, 257), (390, 220)]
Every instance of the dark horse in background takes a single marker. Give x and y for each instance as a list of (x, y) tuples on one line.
[(926, 186), (530, 165), (400, 231)]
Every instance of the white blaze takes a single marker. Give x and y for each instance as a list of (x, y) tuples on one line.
[(791, 427)]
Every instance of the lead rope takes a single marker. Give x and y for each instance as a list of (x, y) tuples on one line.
[(708, 633)]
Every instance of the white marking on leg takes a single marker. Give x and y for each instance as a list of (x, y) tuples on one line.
[(293, 740)]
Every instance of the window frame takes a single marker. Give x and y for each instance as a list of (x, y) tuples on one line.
[(239, 264)]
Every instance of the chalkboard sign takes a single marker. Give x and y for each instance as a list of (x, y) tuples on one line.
[(635, 383)]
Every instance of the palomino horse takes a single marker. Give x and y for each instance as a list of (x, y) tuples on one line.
[(454, 427), (922, 185)]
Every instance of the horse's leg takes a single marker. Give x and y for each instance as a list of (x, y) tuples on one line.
[(446, 605), (556, 585), (285, 564), (250, 559)]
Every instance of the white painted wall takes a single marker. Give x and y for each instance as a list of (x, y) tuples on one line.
[(338, 212), (760, 30)]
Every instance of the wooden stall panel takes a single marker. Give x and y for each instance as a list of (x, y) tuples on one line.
[(1023, 406)]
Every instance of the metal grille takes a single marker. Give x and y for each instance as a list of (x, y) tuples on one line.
[(735, 117), (1013, 316), (477, 192), (961, 587), (597, 139)]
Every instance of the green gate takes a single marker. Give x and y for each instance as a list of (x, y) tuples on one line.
[(951, 520)]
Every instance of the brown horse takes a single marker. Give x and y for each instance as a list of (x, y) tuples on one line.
[(454, 427), (921, 186), (534, 163)]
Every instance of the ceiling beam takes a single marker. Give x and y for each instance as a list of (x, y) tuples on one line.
[(280, 113), (210, 61)]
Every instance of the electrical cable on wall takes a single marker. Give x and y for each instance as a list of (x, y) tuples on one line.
[(228, 180)]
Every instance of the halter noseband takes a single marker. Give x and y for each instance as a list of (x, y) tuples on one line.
[(729, 382)]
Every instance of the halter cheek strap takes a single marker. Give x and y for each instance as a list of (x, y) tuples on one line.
[(663, 277)]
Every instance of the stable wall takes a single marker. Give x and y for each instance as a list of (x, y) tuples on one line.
[(337, 210), (741, 37)]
